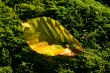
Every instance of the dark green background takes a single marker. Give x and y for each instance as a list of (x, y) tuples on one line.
[(87, 20)]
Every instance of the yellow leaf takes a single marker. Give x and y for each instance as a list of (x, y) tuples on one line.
[(47, 36)]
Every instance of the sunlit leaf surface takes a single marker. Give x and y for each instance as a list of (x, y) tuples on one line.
[(47, 36)]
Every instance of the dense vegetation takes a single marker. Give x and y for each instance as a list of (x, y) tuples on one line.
[(87, 20)]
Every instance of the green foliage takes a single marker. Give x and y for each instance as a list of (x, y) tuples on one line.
[(28, 11), (87, 20), (105, 2), (61, 70), (6, 69)]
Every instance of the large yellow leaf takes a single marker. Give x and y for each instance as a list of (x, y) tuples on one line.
[(47, 36)]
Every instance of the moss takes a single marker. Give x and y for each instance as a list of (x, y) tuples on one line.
[(88, 21)]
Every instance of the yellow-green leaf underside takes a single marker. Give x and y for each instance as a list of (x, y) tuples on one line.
[(47, 36)]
